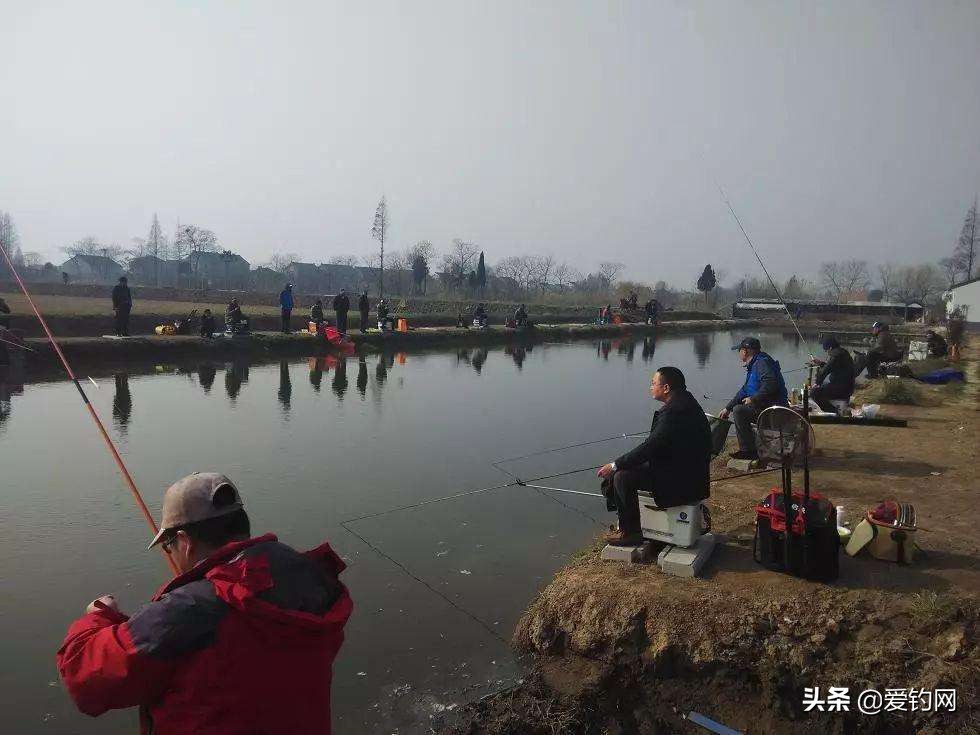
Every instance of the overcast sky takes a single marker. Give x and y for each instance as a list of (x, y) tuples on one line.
[(590, 131)]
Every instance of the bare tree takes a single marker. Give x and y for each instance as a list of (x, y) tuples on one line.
[(565, 276), (917, 283), (610, 271), (965, 253), (379, 231), (350, 261), (10, 241), (950, 269), (279, 262), (420, 257), (843, 277), (458, 262), (887, 277), (32, 259)]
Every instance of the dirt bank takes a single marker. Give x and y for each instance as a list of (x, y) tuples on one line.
[(620, 649), (90, 349)]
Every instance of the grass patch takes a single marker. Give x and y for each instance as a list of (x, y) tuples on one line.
[(931, 611), (896, 390)]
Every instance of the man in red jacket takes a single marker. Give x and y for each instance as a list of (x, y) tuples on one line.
[(241, 641)]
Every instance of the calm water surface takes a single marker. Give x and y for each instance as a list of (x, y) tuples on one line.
[(313, 443)]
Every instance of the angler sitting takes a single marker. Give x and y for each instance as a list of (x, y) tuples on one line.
[(936, 345), (385, 320), (480, 316), (672, 462), (207, 324), (316, 313), (838, 371), (763, 387), (885, 349), (520, 316), (235, 321)]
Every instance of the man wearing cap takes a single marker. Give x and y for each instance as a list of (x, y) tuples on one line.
[(763, 387), (838, 372), (241, 641), (885, 349), (286, 304)]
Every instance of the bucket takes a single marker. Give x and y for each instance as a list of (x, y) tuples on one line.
[(403, 325)]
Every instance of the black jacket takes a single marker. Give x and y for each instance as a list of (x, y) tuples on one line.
[(341, 304), (838, 371), (121, 296), (678, 450), (316, 312), (363, 305), (886, 347)]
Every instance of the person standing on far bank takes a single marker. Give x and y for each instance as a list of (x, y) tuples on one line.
[(286, 303), (341, 305), (364, 307), (122, 304), (243, 640)]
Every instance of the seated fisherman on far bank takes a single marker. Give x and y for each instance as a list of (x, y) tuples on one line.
[(672, 462), (838, 372), (763, 387)]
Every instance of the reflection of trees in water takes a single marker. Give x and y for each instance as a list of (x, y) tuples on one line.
[(703, 343), (285, 385), (4, 393), (649, 348), (791, 338), (122, 402), (340, 378), (236, 374), (479, 357), (205, 375), (362, 376)]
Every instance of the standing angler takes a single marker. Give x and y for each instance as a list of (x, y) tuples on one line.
[(341, 305), (763, 387), (286, 303), (364, 307), (241, 641), (122, 304)]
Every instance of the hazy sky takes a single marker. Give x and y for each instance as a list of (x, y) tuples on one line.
[(590, 131)]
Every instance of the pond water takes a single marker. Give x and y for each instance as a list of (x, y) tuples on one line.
[(311, 444)]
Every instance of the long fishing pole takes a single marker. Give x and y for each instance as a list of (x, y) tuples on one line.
[(765, 270), (91, 410)]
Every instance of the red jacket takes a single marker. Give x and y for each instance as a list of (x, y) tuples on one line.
[(242, 643)]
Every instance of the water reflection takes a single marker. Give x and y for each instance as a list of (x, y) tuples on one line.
[(518, 353), (362, 376), (605, 347), (205, 376), (11, 383), (340, 378), (479, 357), (627, 348), (703, 343), (122, 402), (316, 373), (236, 374), (285, 386), (649, 348)]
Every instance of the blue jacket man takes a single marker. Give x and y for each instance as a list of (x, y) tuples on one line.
[(286, 303), (764, 387)]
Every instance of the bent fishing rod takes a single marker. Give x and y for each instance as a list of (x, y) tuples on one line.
[(765, 270), (127, 477)]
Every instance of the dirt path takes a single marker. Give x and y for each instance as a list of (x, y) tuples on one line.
[(620, 649)]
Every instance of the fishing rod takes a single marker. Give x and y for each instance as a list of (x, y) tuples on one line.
[(765, 270), (91, 410)]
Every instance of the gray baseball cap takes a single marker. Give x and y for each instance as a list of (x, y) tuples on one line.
[(193, 498)]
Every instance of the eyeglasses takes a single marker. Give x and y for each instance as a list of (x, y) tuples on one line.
[(168, 545)]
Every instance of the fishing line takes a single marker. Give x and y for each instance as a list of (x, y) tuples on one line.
[(755, 252), (91, 409), (42, 356)]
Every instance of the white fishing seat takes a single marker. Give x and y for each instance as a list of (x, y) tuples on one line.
[(679, 525)]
